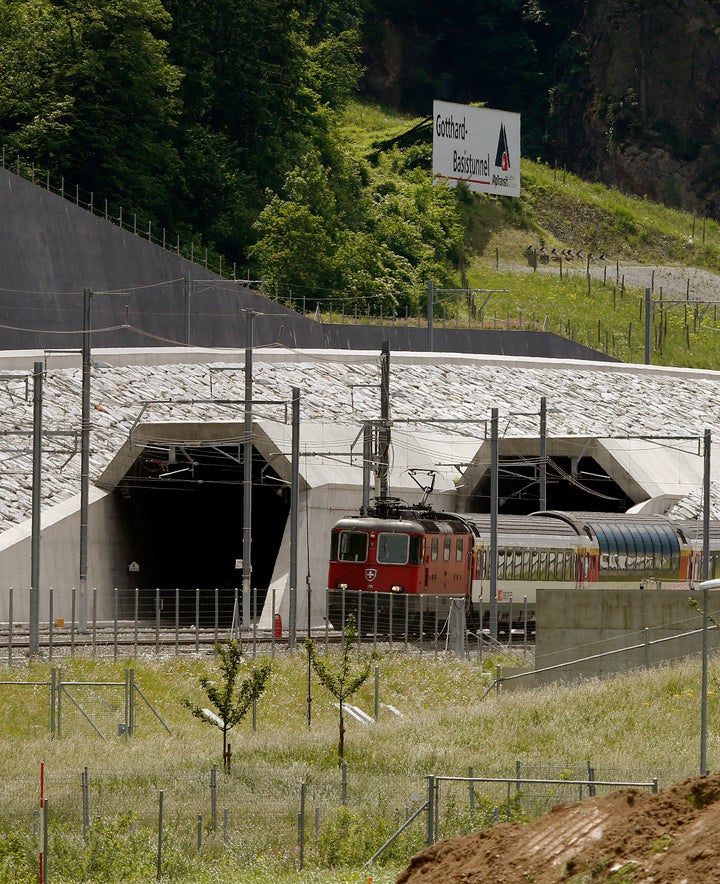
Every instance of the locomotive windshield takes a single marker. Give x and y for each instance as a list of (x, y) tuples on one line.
[(352, 546), (398, 549)]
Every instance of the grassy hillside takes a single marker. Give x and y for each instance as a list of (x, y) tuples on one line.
[(600, 303), (634, 727)]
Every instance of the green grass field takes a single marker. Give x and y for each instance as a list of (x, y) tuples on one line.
[(631, 728)]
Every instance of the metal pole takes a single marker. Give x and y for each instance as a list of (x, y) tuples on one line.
[(648, 325), (187, 289), (384, 434), (705, 588), (367, 465), (84, 463), (493, 521), (36, 510), (430, 309), (294, 496), (247, 470), (543, 453), (160, 837)]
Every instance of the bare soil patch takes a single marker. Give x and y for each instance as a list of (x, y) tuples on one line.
[(627, 836)]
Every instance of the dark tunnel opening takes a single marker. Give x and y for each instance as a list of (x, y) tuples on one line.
[(573, 484), (183, 530)]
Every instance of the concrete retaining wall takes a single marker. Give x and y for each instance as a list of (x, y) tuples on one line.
[(577, 624)]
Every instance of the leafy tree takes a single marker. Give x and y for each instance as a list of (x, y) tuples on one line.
[(230, 697), (87, 91), (341, 678)]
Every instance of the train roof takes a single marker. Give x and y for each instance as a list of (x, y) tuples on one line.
[(447, 523), (615, 533)]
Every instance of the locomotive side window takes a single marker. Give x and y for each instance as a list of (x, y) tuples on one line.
[(415, 557), (434, 549), (353, 546), (392, 549), (459, 549), (446, 549)]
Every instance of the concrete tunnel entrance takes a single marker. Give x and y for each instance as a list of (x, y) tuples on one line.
[(182, 513), (574, 484)]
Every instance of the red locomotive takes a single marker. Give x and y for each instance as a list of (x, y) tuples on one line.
[(399, 567)]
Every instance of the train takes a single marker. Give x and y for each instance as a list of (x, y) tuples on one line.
[(397, 567)]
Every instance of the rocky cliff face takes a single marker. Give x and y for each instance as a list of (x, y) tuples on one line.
[(652, 100), (626, 91)]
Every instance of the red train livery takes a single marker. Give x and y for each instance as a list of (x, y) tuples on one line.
[(413, 561)]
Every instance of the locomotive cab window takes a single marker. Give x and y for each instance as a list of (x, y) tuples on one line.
[(392, 549), (353, 546)]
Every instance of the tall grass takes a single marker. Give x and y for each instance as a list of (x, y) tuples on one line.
[(635, 726)]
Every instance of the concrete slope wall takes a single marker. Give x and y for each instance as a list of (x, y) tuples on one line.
[(143, 295)]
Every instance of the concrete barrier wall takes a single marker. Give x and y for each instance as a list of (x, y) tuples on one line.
[(577, 624), (108, 559)]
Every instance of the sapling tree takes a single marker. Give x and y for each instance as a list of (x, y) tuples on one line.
[(230, 695), (343, 677)]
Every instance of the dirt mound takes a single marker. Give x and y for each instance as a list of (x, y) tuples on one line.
[(627, 836)]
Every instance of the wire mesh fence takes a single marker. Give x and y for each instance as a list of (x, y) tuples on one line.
[(324, 820)]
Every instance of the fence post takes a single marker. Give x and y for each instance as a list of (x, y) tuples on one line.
[(44, 826), (430, 827), (157, 621), (197, 620), (94, 618), (199, 833), (51, 618), (85, 803), (471, 788), (377, 693), (160, 836), (591, 780), (115, 626), (213, 797), (137, 621), (343, 781), (53, 699), (59, 702), (131, 703), (72, 623), (10, 626), (301, 827)]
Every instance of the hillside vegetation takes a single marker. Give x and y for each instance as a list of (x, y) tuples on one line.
[(595, 296), (238, 127), (632, 728)]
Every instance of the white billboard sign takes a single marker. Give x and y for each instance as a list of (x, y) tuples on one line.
[(477, 145)]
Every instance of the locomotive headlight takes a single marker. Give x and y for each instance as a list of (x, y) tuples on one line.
[(397, 588), (342, 586)]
